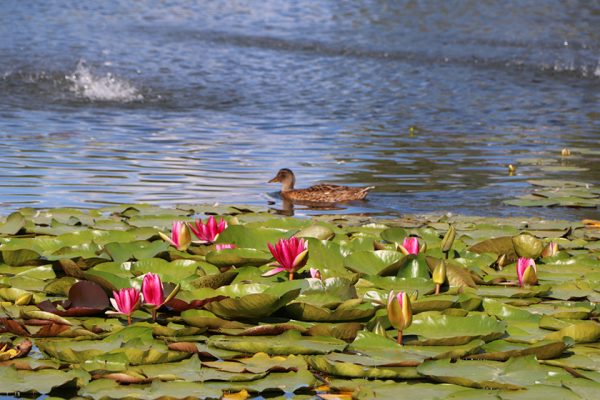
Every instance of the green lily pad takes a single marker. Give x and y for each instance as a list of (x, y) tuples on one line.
[(583, 332), (43, 381), (350, 310), (290, 342), (320, 232), (135, 343), (373, 262), (436, 329), (110, 389), (251, 306), (329, 366), (385, 351), (238, 257), (13, 224), (252, 238), (518, 373), (421, 285), (394, 235), (527, 246), (501, 350)]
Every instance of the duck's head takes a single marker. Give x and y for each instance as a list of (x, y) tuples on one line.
[(287, 179)]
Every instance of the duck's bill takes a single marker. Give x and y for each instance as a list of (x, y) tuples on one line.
[(276, 179)]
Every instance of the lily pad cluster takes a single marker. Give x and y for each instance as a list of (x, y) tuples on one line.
[(552, 193), (225, 326)]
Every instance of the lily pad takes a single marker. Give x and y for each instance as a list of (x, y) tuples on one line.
[(290, 342), (437, 329), (238, 257), (251, 306), (518, 373), (373, 262)]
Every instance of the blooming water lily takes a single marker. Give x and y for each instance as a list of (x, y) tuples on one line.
[(125, 301), (208, 232), (290, 254)]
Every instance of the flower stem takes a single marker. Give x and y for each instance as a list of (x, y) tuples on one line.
[(154, 314), (129, 319), (399, 339), (437, 288), (291, 276)]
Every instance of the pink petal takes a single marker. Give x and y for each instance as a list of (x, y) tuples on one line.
[(273, 250), (411, 244)]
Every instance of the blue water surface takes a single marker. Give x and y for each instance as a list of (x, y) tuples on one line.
[(170, 102)]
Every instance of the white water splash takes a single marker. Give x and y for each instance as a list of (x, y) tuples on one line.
[(101, 88)]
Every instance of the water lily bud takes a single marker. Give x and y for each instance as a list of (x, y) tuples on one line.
[(511, 169), (550, 250), (565, 152), (448, 239), (152, 289), (526, 271), (501, 261), (529, 277), (399, 310), (410, 245), (180, 236), (439, 273)]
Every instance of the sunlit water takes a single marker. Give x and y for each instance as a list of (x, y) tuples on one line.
[(183, 102)]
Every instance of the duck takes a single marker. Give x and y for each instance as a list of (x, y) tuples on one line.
[(323, 193)]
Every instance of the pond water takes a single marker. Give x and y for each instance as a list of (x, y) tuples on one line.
[(188, 102)]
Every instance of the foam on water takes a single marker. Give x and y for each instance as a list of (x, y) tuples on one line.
[(92, 87)]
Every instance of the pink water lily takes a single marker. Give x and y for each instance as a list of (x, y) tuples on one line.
[(290, 254), (180, 236), (223, 246), (152, 289), (126, 301), (411, 245), (526, 271), (208, 232)]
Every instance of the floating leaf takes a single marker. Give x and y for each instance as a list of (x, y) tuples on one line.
[(290, 342), (436, 329)]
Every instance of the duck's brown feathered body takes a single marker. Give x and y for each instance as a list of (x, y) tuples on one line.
[(323, 193)]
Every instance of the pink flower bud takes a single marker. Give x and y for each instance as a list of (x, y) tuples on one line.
[(152, 289)]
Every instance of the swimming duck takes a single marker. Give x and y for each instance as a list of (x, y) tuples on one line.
[(323, 193)]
